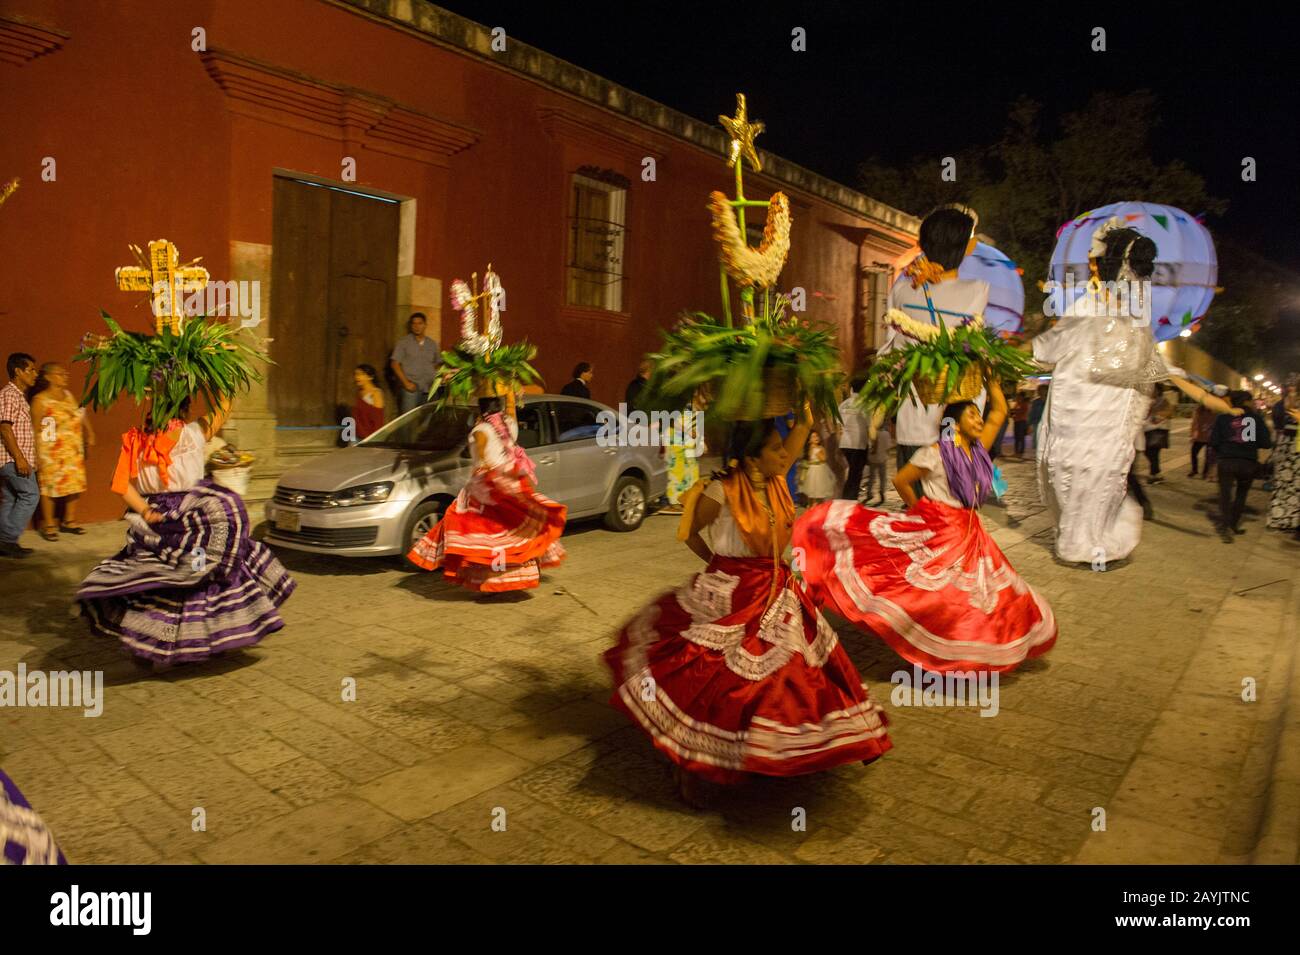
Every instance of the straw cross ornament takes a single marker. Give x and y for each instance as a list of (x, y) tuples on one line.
[(165, 279)]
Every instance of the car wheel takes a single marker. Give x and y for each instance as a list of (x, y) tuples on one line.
[(628, 503), (422, 520)]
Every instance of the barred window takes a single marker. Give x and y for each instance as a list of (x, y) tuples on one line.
[(598, 209)]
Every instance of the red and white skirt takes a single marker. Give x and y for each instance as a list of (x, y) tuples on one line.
[(931, 583), (496, 536), (726, 684)]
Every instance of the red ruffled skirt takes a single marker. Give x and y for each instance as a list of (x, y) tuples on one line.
[(931, 583), (496, 536), (726, 684)]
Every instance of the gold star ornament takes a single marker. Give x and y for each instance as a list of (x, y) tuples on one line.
[(742, 133)]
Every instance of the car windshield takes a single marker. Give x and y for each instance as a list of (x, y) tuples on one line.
[(425, 429)]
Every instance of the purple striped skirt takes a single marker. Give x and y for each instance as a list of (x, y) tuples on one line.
[(23, 834), (192, 586)]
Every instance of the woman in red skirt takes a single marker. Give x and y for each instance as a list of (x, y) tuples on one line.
[(736, 672), (930, 582), (499, 532)]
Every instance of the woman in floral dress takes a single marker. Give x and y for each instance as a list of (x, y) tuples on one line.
[(681, 454), (62, 434)]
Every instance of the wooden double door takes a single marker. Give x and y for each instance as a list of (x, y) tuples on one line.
[(333, 297)]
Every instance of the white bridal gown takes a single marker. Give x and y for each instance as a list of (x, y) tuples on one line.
[(1086, 444)]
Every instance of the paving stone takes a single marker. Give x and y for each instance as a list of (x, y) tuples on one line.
[(322, 832), (419, 791), (466, 703), (652, 827), (717, 846)]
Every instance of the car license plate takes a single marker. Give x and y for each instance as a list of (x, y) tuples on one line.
[(288, 521)]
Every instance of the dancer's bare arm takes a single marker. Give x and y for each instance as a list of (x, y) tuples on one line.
[(908, 475), (213, 421), (136, 502), (997, 410), (706, 512), (798, 436)]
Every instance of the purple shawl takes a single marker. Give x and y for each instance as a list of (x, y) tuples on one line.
[(970, 477)]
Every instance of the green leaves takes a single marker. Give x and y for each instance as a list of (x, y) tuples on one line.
[(732, 363), (206, 359), (463, 373), (948, 358)]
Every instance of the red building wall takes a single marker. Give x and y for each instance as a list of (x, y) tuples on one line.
[(147, 146)]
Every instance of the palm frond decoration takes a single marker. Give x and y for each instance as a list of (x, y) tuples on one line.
[(464, 374), (937, 361), (207, 358), (764, 368)]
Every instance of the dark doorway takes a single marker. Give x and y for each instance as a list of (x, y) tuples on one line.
[(333, 296)]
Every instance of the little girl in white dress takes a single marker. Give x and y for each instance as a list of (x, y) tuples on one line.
[(816, 482)]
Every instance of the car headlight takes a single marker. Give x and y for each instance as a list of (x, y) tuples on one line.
[(361, 494)]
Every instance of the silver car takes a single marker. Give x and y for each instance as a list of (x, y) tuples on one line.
[(380, 496)]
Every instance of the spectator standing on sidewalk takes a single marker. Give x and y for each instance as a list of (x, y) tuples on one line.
[(1020, 421), (415, 362), (636, 384), (853, 445), (1156, 432), (1208, 472), (878, 460), (19, 493), (1202, 426), (1237, 441), (580, 386), (62, 435), (1284, 507)]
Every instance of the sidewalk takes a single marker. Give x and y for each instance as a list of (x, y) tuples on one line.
[(477, 713)]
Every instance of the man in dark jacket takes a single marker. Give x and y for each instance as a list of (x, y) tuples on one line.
[(636, 384), (1237, 441), (578, 388)]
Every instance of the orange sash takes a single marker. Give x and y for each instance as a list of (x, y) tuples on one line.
[(145, 447), (747, 508)]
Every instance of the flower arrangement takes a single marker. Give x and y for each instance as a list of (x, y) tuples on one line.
[(206, 358), (466, 375), (768, 364), (942, 363), (465, 301), (762, 369), (480, 364)]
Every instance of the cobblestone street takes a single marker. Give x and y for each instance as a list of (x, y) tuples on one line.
[(474, 710)]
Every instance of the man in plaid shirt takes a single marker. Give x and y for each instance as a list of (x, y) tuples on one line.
[(18, 491)]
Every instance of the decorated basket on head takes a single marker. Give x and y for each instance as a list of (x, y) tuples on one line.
[(943, 363), (771, 362), (480, 366)]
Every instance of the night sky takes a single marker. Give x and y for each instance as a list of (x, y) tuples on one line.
[(918, 79)]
